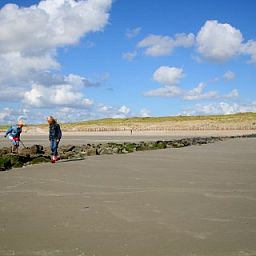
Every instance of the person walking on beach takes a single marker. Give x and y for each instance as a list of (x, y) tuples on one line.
[(13, 134), (55, 135)]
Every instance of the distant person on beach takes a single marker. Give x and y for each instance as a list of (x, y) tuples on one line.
[(55, 135), (13, 134)]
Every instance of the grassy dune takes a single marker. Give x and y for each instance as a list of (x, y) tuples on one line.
[(241, 121)]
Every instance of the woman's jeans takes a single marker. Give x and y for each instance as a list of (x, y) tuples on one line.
[(54, 146)]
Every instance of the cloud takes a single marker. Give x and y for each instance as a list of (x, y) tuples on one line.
[(11, 116), (198, 93), (50, 24), (56, 96), (170, 78), (129, 55), (168, 75), (229, 75), (157, 45), (31, 36), (215, 42), (113, 112), (249, 48), (131, 33), (145, 112), (232, 95), (221, 108), (218, 42), (166, 91)]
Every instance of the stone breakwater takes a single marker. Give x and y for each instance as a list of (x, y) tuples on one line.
[(38, 154)]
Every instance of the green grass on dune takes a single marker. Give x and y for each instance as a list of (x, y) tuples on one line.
[(240, 117), (126, 121)]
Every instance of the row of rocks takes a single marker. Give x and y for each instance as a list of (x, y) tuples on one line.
[(38, 154)]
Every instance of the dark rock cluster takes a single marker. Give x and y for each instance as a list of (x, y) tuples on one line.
[(38, 154)]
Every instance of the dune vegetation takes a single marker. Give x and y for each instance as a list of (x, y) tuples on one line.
[(241, 121)]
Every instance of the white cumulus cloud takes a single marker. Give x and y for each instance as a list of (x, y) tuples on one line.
[(229, 75), (220, 108), (130, 33), (249, 48), (218, 42), (157, 45), (30, 37), (168, 75), (170, 78), (60, 95)]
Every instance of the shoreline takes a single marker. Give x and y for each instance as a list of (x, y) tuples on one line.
[(38, 154)]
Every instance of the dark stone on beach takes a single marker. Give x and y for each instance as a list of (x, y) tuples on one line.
[(130, 147), (67, 148), (36, 149), (12, 161), (33, 150), (67, 155), (160, 145), (105, 151), (40, 159), (177, 145), (92, 152), (5, 150), (5, 163)]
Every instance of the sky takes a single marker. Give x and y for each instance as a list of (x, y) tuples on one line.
[(89, 59)]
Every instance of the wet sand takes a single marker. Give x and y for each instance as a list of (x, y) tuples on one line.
[(194, 201)]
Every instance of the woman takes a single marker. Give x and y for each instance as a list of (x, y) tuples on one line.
[(55, 135)]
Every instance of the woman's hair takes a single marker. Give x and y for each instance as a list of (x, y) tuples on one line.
[(52, 119), (20, 123)]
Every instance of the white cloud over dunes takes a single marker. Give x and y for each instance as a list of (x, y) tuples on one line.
[(50, 24), (156, 45), (214, 42), (218, 42), (229, 75), (60, 95), (168, 75), (29, 39), (221, 108), (131, 33), (170, 78), (114, 112)]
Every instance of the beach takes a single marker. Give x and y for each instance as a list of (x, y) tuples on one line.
[(197, 200)]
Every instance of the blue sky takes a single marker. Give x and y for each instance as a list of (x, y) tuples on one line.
[(80, 60)]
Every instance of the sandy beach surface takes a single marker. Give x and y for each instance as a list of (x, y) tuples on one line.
[(78, 138), (194, 201)]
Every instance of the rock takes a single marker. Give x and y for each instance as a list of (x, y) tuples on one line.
[(25, 152), (5, 150), (67, 155), (124, 151), (67, 148), (105, 151), (5, 163), (36, 149), (177, 145), (159, 145), (130, 147), (92, 152), (40, 159), (116, 150)]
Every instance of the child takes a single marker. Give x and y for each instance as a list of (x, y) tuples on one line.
[(55, 135), (13, 134)]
